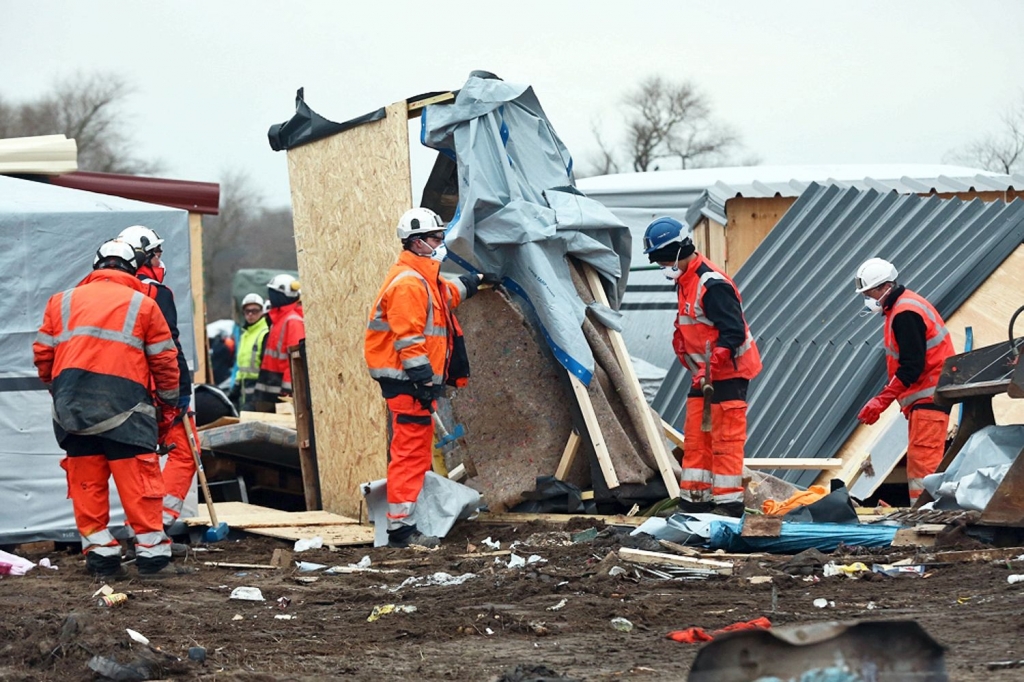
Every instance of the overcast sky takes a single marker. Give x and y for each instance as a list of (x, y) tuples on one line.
[(802, 82)]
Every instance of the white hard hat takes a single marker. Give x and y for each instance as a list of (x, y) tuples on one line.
[(119, 249), (874, 271), (286, 284), (417, 222), (252, 299), (141, 237)]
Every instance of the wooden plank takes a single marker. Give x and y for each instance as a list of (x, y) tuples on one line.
[(333, 536), (195, 267), (804, 463), (679, 549), (978, 555), (748, 222), (348, 192), (244, 516), (572, 446), (285, 420), (416, 107), (651, 433), (519, 518), (225, 564), (641, 556), (304, 429), (673, 434), (611, 479), (222, 421)]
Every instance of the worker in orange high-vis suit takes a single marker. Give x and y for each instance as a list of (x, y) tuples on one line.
[(100, 349), (180, 467), (916, 346), (713, 341), (287, 328), (413, 348)]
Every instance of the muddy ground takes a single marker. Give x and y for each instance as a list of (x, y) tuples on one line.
[(50, 625)]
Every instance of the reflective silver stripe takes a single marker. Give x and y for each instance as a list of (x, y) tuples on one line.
[(286, 386), (415, 361), (917, 304), (172, 508), (276, 354), (157, 348), (940, 334), (702, 495), (698, 309), (46, 340), (915, 485), (152, 545), (748, 343), (65, 310), (728, 481), (685, 321), (101, 542), (403, 343), (133, 314), (260, 386), (376, 325), (111, 423), (386, 373), (457, 283), (377, 322), (400, 514), (910, 399), (725, 498), (169, 395), (696, 476), (100, 333), (435, 331)]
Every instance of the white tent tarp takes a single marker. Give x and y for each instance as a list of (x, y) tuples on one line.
[(50, 235)]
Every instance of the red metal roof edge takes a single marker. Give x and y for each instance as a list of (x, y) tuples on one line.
[(195, 197)]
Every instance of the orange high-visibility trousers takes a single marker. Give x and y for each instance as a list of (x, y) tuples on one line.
[(713, 462), (926, 443), (179, 469), (141, 489), (410, 457)]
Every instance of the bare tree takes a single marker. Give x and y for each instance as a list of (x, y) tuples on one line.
[(602, 162), (245, 234), (88, 108), (1002, 151), (669, 125)]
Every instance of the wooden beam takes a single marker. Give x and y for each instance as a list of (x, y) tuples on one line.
[(195, 266), (568, 455), (651, 433), (611, 479), (518, 518), (641, 556), (416, 107), (804, 463), (304, 429), (673, 434)]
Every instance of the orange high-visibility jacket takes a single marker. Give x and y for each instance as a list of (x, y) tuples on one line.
[(287, 328), (410, 331), (101, 346), (694, 330), (938, 347)]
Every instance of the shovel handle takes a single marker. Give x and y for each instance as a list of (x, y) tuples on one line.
[(194, 447)]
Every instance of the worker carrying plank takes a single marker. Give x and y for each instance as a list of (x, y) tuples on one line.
[(179, 468), (916, 346), (102, 347), (287, 329), (713, 341), (413, 348)]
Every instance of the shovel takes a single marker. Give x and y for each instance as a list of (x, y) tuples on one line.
[(217, 530)]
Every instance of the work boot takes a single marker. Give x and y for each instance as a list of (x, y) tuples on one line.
[(407, 536), (104, 566), (179, 549), (733, 509), (688, 507)]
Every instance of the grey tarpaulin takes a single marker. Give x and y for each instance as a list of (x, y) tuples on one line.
[(977, 470), (440, 504), (519, 213), (50, 235)]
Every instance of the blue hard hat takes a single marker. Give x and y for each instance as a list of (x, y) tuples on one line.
[(664, 231)]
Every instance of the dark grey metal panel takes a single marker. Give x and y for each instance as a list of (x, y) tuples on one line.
[(822, 361)]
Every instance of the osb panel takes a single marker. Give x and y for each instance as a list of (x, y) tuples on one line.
[(987, 311), (348, 192), (515, 408), (717, 250), (750, 221)]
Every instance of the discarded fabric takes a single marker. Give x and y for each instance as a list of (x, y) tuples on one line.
[(19, 565), (696, 635), (799, 499)]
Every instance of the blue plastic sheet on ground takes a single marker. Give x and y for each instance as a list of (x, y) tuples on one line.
[(796, 537)]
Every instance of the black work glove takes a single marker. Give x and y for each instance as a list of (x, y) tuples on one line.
[(236, 392), (490, 279), (424, 393)]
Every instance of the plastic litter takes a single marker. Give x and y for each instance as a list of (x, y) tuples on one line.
[(238, 616), (622, 625), (516, 561), (822, 603), (112, 670), (493, 544), (308, 566), (312, 543), (137, 637), (895, 571), (285, 616), (559, 606), (439, 578), (18, 565), (849, 570), (617, 570), (45, 563), (1015, 578), (247, 594), (385, 609)]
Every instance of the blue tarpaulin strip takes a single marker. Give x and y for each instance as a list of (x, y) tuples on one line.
[(796, 537)]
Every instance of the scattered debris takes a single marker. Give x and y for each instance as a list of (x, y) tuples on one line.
[(516, 561), (309, 566), (759, 579), (112, 670), (622, 625), (493, 544), (849, 570), (197, 653), (821, 603), (113, 599), (137, 637), (312, 543), (238, 616), (439, 578), (281, 558), (16, 565), (247, 594), (1005, 665), (385, 609), (585, 535), (640, 556), (897, 570), (1015, 578), (285, 616), (559, 606), (45, 563), (697, 635), (105, 590)]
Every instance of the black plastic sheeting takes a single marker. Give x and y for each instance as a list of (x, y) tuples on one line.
[(308, 126)]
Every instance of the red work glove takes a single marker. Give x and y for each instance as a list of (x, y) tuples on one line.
[(163, 425), (696, 378), (870, 413), (721, 361)]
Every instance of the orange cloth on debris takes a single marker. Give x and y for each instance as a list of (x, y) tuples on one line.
[(801, 499), (697, 635)]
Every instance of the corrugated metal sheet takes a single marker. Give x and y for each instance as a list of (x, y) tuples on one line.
[(638, 198), (821, 360), (195, 197)]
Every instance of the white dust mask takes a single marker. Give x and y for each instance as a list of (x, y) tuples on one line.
[(440, 253)]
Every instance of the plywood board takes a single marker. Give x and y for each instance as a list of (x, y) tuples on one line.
[(333, 536), (348, 192), (285, 420), (749, 222), (243, 515), (987, 311), (717, 250)]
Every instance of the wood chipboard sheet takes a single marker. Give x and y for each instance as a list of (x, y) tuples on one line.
[(333, 536), (246, 516)]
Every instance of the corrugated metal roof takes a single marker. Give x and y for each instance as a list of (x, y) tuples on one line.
[(638, 198), (821, 360)]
